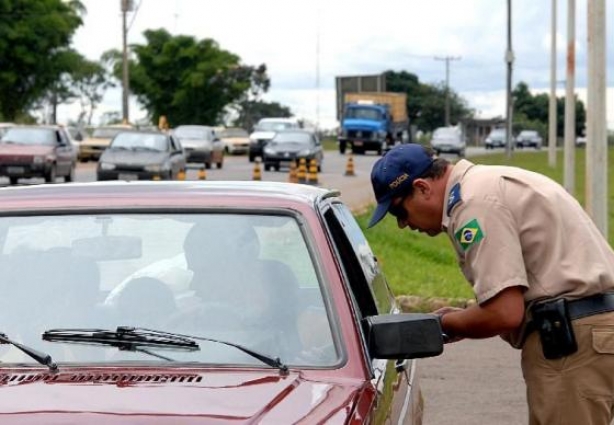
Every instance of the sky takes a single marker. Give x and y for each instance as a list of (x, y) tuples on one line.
[(306, 43)]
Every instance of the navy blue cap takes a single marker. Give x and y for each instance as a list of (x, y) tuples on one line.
[(394, 173)]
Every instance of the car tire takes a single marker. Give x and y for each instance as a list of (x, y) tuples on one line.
[(70, 177), (50, 177), (208, 165), (13, 180), (252, 158), (277, 166), (342, 146), (220, 164), (267, 167)]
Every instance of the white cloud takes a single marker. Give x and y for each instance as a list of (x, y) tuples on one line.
[(357, 37)]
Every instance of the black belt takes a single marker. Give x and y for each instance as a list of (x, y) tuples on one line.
[(588, 306)]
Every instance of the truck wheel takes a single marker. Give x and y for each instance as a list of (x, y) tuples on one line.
[(342, 147)]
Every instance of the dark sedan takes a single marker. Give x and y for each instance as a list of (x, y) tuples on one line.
[(139, 155), (292, 145)]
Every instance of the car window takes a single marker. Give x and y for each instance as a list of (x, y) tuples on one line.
[(106, 132), (233, 132), (30, 136), (135, 141), (194, 133), (275, 125), (363, 113), (246, 279), (291, 137)]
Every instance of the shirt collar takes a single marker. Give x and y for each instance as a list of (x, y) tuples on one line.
[(453, 188)]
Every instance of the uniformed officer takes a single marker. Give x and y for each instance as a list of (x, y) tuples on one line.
[(542, 273)]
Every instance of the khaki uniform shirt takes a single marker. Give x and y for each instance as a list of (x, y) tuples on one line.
[(513, 227)]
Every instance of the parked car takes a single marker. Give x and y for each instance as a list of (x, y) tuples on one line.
[(264, 132), (292, 145), (200, 302), (37, 151), (4, 127), (529, 139), (497, 138), (581, 141), (201, 144), (448, 140), (235, 139), (142, 155), (92, 147)]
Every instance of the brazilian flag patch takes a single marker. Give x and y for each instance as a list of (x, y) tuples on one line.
[(470, 234)]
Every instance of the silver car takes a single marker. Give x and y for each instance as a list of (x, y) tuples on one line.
[(201, 144), (448, 140)]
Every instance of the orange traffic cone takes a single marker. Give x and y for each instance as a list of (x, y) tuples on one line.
[(257, 174), (349, 168), (181, 175), (312, 175), (302, 170), (202, 174), (293, 177)]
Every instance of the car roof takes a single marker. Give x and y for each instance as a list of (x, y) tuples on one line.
[(174, 195)]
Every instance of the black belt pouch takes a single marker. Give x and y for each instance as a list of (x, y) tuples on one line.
[(551, 320)]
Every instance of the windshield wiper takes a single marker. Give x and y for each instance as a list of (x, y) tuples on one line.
[(125, 338), (145, 148), (129, 338), (42, 358)]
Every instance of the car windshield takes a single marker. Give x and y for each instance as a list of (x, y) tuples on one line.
[(134, 141), (275, 125), (246, 279), (30, 136), (233, 132), (106, 132), (497, 134), (363, 113), (292, 137), (446, 133), (528, 134), (194, 133)]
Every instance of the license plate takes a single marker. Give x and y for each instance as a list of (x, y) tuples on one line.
[(358, 143), (15, 170), (128, 176)]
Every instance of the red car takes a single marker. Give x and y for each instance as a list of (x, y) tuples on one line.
[(199, 302), (37, 151)]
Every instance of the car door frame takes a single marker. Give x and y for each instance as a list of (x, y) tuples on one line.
[(63, 153), (392, 380), (176, 155)]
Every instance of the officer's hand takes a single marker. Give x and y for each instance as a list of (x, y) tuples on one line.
[(445, 310)]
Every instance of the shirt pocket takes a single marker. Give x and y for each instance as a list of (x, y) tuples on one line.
[(603, 340)]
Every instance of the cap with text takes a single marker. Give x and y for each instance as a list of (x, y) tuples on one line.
[(393, 174)]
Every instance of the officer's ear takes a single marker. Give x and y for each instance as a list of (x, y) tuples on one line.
[(423, 187)]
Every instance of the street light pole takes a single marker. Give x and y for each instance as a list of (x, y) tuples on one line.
[(509, 59), (126, 5)]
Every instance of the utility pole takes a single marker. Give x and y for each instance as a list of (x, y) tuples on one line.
[(596, 141), (509, 59), (552, 107), (126, 6), (447, 59), (569, 175), (318, 68)]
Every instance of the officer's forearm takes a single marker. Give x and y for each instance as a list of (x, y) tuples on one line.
[(502, 314)]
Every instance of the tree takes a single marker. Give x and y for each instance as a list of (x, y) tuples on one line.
[(251, 111), (90, 82), (531, 111), (426, 102), (187, 80), (34, 36)]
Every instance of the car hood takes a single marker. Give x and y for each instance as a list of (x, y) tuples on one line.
[(133, 157), (95, 141), (262, 135), (361, 124), (16, 149), (196, 143), (214, 397), (289, 147)]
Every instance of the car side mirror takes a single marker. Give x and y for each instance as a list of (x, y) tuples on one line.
[(404, 336)]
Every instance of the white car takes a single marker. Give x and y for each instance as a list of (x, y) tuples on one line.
[(265, 130), (529, 139), (448, 140), (496, 139)]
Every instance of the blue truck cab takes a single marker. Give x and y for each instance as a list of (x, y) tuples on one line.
[(369, 125)]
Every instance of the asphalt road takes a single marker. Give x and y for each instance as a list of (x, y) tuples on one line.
[(472, 382)]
